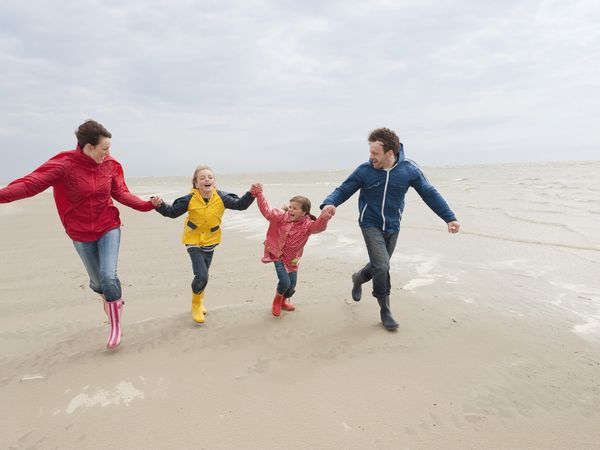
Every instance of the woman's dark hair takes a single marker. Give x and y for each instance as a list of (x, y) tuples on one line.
[(388, 138), (90, 132)]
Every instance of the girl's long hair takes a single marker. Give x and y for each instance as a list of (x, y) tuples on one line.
[(304, 205), (198, 169)]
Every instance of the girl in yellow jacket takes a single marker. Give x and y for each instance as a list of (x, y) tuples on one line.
[(205, 206)]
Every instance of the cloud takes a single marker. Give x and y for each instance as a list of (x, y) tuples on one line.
[(252, 85)]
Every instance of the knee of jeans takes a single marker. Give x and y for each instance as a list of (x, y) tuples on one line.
[(283, 286), (380, 267), (199, 283)]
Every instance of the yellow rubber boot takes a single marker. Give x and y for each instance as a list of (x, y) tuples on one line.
[(204, 311), (197, 313)]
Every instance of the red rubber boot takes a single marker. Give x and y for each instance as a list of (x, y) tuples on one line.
[(286, 305), (277, 301)]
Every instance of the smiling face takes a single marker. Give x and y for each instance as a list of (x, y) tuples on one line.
[(295, 211), (379, 157), (98, 152), (205, 182)]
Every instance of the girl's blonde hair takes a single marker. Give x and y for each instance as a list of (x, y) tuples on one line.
[(198, 169)]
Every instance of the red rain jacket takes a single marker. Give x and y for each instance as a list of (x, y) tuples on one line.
[(83, 192), (286, 240)]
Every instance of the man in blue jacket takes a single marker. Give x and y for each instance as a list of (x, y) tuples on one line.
[(383, 182)]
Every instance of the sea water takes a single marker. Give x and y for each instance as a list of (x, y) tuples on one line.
[(529, 243)]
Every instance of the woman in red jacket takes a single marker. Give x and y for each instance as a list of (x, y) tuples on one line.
[(85, 181)]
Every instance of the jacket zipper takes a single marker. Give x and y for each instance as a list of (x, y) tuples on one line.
[(93, 199), (387, 177)]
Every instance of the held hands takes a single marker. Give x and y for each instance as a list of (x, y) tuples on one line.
[(255, 189), (329, 211), (453, 227), (156, 201)]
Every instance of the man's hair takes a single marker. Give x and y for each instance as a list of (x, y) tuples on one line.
[(388, 138), (90, 132), (198, 169)]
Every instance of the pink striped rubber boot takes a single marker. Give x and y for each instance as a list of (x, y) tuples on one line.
[(115, 311), (104, 304)]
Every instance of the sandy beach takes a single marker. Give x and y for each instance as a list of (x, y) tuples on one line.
[(498, 345)]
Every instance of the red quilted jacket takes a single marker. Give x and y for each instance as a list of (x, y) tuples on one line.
[(286, 240), (83, 192)]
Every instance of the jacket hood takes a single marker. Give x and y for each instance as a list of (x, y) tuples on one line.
[(400, 153), (400, 156)]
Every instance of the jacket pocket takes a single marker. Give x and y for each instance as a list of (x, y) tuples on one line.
[(374, 185), (362, 213), (191, 224)]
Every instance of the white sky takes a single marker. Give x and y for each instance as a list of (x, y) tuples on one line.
[(292, 85)]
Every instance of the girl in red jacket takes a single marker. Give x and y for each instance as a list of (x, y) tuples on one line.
[(289, 230), (85, 180)]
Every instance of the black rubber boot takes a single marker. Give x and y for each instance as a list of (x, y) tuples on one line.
[(386, 315), (356, 286)]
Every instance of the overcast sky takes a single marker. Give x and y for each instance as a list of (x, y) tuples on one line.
[(285, 85)]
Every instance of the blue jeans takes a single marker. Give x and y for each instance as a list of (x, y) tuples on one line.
[(380, 246), (100, 260), (287, 280), (200, 264)]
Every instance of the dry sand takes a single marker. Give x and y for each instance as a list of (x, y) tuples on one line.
[(459, 373)]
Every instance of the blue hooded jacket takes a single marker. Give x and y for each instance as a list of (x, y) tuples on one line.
[(381, 199)]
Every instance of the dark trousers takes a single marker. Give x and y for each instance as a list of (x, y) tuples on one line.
[(200, 264), (380, 246)]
